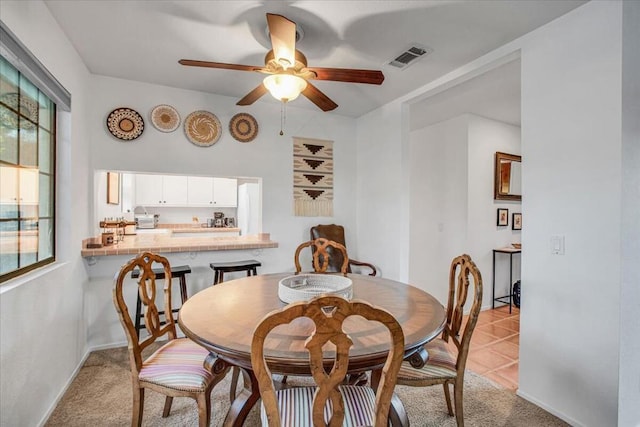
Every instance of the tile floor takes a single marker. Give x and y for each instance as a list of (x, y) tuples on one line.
[(494, 346)]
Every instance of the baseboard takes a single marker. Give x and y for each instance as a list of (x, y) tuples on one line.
[(550, 410), (73, 376), (107, 346)]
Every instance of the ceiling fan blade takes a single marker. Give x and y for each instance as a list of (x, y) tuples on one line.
[(207, 64), (283, 39), (253, 96), (319, 98), (374, 77)]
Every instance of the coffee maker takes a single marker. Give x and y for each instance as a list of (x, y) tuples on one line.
[(218, 219)]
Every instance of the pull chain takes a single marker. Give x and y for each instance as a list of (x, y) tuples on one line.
[(283, 116)]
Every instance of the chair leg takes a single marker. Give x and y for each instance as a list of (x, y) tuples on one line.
[(138, 407), (183, 289), (204, 407), (167, 406), (234, 383), (447, 397), (207, 400), (457, 400)]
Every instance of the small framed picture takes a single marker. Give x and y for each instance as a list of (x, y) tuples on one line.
[(516, 221), (113, 188), (503, 217)]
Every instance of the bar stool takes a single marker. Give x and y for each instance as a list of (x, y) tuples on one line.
[(178, 272), (219, 268)]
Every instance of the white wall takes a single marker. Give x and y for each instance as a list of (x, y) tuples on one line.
[(42, 330), (382, 191), (452, 210), (571, 143), (571, 140), (269, 156), (629, 377), (438, 203), (485, 138)]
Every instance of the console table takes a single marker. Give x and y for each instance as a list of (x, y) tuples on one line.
[(503, 299)]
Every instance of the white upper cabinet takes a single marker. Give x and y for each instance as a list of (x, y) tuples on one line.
[(200, 191), (161, 190), (225, 192), (177, 190), (174, 190), (148, 190)]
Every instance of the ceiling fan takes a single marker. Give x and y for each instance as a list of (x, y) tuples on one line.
[(288, 74)]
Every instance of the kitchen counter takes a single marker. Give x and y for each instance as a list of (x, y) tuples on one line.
[(171, 241), (205, 230)]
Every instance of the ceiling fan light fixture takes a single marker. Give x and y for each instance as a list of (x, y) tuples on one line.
[(285, 87)]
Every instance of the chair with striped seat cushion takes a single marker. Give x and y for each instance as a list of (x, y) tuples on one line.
[(178, 365), (441, 364), (177, 368), (294, 405), (328, 402), (448, 355)]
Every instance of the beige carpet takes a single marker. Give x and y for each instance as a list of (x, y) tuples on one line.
[(101, 396)]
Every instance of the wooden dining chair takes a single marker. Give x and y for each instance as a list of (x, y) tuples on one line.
[(446, 362), (176, 369), (321, 256), (329, 403), (336, 233)]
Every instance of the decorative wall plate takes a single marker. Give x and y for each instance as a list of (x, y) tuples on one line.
[(125, 124), (165, 118), (202, 128), (243, 127)]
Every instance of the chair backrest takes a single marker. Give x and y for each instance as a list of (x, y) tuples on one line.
[(331, 232), (328, 314), (462, 268), (146, 289), (321, 255)]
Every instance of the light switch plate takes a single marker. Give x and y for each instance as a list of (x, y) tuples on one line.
[(557, 245)]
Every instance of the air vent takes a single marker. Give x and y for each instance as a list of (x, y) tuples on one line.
[(410, 55)]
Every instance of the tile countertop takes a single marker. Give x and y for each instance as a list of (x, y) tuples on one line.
[(168, 242), (204, 230)]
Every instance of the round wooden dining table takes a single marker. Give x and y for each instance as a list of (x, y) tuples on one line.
[(222, 319)]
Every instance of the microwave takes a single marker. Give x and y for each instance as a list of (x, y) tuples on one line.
[(146, 221)]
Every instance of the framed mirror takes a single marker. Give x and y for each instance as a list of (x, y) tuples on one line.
[(508, 177)]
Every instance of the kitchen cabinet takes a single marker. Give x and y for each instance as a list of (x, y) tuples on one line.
[(180, 190), (200, 191), (161, 190), (174, 190), (225, 192), (216, 192)]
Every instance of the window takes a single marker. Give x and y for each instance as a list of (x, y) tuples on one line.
[(27, 174), (30, 96)]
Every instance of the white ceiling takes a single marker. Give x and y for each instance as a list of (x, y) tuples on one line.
[(144, 39)]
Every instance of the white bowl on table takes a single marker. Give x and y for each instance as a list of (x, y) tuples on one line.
[(303, 287)]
